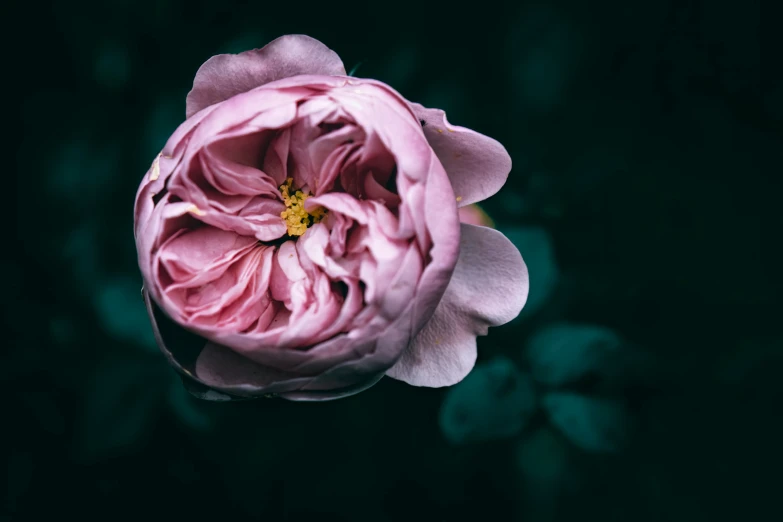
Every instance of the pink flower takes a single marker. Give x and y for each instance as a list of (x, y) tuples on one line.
[(303, 225)]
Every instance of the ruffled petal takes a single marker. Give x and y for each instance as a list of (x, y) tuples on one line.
[(489, 288), (227, 75), (215, 367), (476, 164)]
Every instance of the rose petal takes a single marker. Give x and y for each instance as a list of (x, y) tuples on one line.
[(378, 344), (181, 348), (476, 164), (222, 369), (475, 215), (197, 257), (226, 75), (377, 106), (329, 395), (489, 288)]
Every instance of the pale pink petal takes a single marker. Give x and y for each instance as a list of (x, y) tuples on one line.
[(222, 369), (475, 215), (489, 288), (376, 345), (199, 256), (232, 165), (477, 165), (227, 75)]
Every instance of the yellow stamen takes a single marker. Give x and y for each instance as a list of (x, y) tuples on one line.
[(155, 174), (195, 210), (296, 218)]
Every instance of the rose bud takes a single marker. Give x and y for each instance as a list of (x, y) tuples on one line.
[(299, 234)]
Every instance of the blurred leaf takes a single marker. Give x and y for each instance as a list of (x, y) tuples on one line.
[(592, 424), (494, 401), (535, 245), (541, 457), (122, 403), (544, 464), (562, 353), (122, 312)]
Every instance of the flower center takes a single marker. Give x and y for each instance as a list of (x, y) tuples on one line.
[(297, 219)]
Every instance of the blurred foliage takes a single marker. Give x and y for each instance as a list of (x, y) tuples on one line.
[(494, 402), (646, 140), (593, 424), (565, 354)]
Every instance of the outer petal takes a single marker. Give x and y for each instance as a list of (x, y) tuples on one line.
[(489, 288), (475, 215), (208, 368), (476, 164), (227, 75), (212, 372), (311, 396), (222, 369)]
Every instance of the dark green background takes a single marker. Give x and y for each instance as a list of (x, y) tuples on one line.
[(646, 140)]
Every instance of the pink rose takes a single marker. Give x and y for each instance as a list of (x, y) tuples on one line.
[(299, 235)]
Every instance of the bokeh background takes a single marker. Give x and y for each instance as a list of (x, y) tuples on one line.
[(642, 382)]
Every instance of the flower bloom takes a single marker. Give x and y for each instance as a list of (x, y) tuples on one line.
[(299, 233)]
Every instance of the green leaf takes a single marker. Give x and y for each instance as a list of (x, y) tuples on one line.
[(591, 423), (495, 401)]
